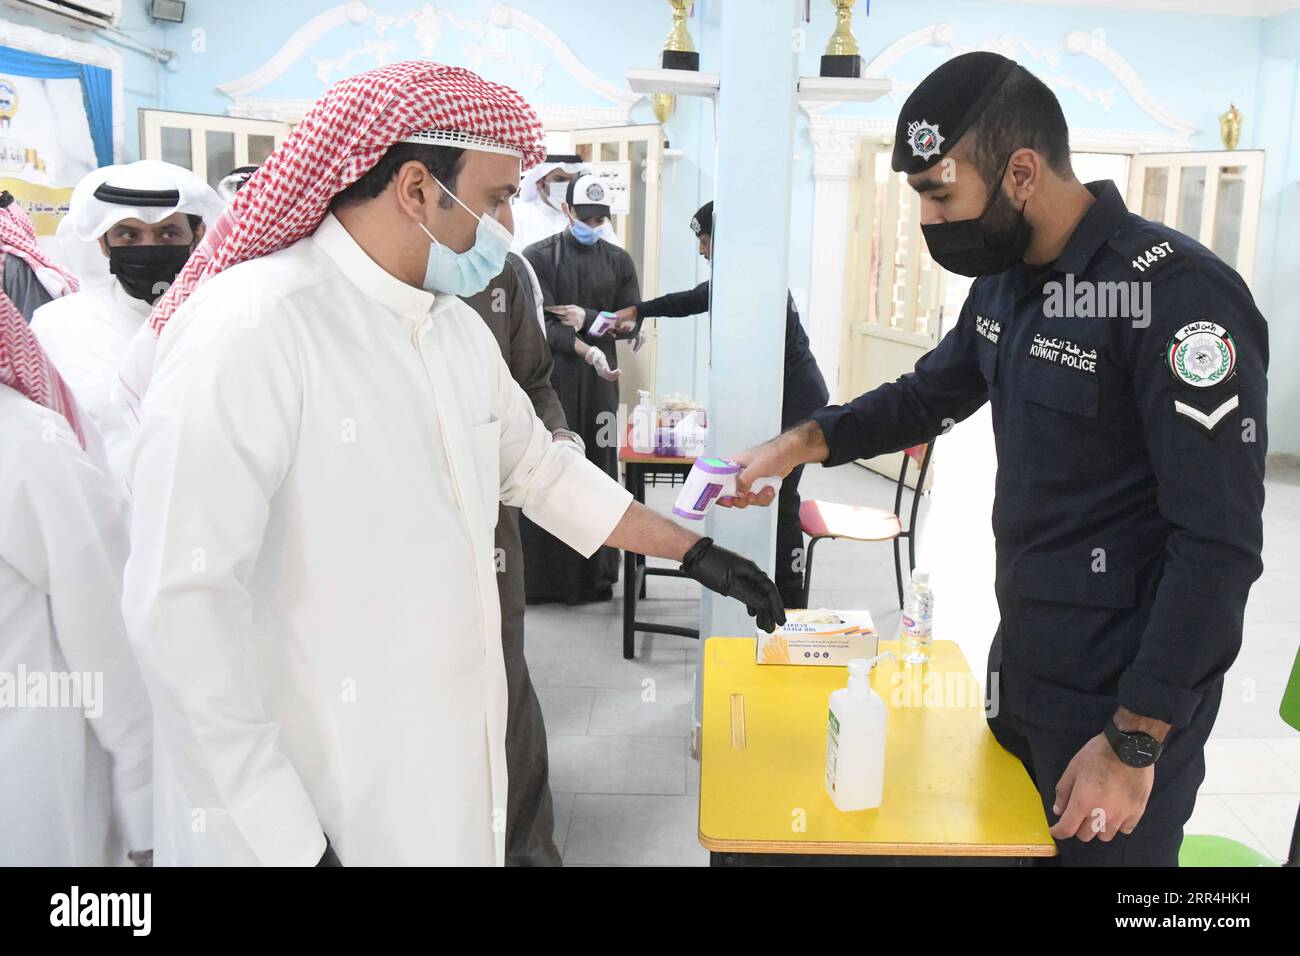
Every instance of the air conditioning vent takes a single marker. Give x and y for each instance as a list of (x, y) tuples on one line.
[(93, 13)]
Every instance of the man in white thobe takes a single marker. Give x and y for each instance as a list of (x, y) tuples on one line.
[(325, 438), (75, 745), (144, 219), (539, 208)]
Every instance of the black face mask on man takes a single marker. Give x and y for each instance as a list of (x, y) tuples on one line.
[(992, 243), (146, 272)]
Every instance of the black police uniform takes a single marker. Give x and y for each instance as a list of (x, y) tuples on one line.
[(803, 392), (1130, 436), (1129, 494)]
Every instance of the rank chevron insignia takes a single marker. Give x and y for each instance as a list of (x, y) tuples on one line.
[(1209, 421)]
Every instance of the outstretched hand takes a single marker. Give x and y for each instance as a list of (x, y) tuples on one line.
[(735, 576)]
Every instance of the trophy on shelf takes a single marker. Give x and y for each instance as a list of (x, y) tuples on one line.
[(1230, 126), (843, 56), (679, 51)]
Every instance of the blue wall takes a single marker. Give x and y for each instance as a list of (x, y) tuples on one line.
[(1277, 276)]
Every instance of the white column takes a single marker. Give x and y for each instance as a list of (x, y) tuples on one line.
[(834, 162)]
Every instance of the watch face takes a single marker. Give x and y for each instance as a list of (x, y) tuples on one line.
[(1139, 750), (1134, 749)]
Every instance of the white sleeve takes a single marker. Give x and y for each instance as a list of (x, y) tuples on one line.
[(537, 292), (70, 520), (555, 485), (217, 436)]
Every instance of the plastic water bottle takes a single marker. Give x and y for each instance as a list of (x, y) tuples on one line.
[(917, 629)]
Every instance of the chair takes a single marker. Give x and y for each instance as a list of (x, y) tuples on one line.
[(1200, 850), (827, 519)]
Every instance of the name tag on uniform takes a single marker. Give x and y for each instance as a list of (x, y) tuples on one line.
[(989, 328), (1064, 353)]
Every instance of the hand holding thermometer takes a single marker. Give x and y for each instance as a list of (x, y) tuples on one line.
[(710, 480), (602, 323)]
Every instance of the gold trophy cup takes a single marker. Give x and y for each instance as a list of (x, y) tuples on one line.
[(843, 56), (679, 52), (1230, 127)]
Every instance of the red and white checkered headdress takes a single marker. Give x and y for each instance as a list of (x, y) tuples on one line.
[(18, 236), (342, 137), (26, 368)]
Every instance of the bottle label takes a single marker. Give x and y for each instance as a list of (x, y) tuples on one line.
[(832, 749)]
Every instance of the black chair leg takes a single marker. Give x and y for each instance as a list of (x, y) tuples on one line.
[(807, 571), (898, 572), (1293, 858)]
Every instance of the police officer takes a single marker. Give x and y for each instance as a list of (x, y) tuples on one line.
[(1125, 365), (803, 391)]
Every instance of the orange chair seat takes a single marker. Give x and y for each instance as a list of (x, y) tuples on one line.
[(829, 519)]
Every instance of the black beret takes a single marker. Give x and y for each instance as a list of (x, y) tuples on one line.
[(943, 107), (702, 221)]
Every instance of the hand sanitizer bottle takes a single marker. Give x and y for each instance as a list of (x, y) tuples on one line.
[(855, 744), (645, 420)]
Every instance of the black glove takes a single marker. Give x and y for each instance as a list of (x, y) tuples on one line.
[(329, 857), (734, 576)]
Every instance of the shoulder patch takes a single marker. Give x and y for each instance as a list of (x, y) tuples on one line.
[(1201, 354)]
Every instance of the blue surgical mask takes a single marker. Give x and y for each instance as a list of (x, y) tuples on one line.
[(468, 272), (585, 234)]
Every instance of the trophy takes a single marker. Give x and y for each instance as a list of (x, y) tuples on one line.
[(843, 56), (1230, 127), (663, 105), (679, 51)]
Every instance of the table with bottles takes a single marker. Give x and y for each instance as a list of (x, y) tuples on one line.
[(951, 794)]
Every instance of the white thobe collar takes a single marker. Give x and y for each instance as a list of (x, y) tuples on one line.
[(129, 303), (369, 276)]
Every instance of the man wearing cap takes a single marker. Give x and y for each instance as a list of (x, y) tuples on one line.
[(803, 391), (1125, 365), (145, 219), (326, 434), (508, 308), (580, 277)]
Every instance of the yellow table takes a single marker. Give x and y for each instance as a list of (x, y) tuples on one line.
[(952, 794)]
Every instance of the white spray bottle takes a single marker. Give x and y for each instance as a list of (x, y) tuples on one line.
[(855, 743), (645, 424)]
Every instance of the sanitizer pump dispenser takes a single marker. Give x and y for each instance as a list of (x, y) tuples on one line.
[(855, 743)]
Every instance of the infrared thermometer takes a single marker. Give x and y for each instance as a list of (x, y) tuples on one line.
[(602, 323), (711, 480)]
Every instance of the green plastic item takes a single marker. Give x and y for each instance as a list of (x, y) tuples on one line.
[(1290, 709), (1198, 850), (1219, 851)]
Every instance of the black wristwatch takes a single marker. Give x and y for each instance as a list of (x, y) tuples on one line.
[(1134, 749)]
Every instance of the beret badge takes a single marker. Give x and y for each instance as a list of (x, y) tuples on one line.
[(924, 139)]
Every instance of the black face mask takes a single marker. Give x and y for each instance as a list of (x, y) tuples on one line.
[(146, 272), (993, 243)]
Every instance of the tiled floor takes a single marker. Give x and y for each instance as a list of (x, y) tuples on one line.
[(626, 788)]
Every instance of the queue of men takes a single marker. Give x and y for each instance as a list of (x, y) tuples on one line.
[(310, 651)]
